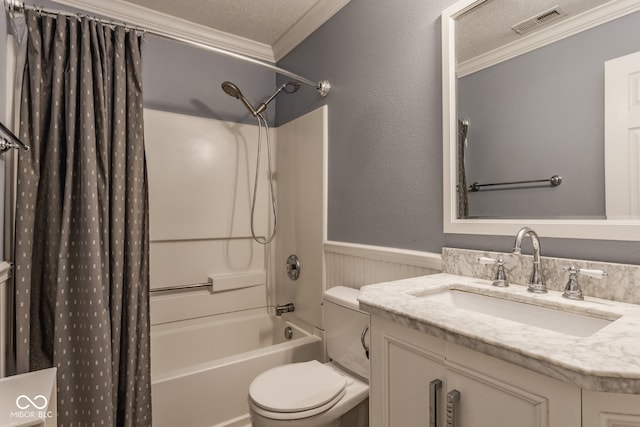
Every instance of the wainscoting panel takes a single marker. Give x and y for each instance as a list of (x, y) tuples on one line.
[(354, 265)]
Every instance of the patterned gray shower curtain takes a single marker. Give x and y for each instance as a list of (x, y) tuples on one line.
[(82, 251)]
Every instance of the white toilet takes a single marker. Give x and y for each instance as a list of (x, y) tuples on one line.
[(313, 394)]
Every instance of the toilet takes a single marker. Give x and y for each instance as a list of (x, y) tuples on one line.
[(314, 394)]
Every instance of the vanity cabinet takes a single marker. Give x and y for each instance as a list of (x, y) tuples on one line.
[(413, 374), (610, 409)]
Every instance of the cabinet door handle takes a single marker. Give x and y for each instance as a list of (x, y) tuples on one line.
[(434, 386), (453, 397), (363, 342)]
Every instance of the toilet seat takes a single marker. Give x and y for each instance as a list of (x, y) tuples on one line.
[(296, 390)]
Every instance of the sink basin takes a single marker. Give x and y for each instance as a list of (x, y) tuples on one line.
[(579, 325)]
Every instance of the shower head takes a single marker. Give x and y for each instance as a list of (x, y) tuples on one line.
[(233, 90)]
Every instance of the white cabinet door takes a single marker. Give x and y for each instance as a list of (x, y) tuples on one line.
[(486, 401), (610, 409), (403, 364), (499, 394)]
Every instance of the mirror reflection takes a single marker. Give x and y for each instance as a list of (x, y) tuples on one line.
[(545, 105)]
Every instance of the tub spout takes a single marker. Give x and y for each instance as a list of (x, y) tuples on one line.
[(285, 308)]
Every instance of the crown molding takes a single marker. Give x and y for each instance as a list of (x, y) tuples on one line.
[(320, 13), (568, 27), (172, 27)]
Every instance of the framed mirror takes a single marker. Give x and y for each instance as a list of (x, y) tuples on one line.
[(532, 96)]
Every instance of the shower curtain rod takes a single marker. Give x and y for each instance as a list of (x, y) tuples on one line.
[(322, 87)]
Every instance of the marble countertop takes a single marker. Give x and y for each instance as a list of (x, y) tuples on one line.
[(608, 360)]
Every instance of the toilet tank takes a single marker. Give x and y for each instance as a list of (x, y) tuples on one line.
[(345, 325)]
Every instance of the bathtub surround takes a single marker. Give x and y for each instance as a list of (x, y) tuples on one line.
[(622, 283), (205, 231), (302, 206), (81, 258), (200, 202)]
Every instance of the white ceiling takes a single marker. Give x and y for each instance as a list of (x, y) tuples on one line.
[(262, 29), (260, 21)]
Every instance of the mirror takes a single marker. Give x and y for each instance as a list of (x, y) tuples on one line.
[(534, 102)]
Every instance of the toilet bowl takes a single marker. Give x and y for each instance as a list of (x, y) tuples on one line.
[(313, 394)]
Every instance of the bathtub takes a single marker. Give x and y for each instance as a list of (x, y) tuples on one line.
[(201, 368)]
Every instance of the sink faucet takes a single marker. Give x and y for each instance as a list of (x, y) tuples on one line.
[(536, 282)]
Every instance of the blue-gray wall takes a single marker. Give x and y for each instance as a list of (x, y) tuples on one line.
[(186, 80), (542, 114), (385, 130)]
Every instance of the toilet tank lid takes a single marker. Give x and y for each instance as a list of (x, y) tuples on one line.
[(341, 295)]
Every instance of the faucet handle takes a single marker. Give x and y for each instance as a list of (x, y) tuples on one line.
[(573, 290), (596, 274), (501, 276)]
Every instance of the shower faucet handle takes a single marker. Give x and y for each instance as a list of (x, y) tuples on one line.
[(500, 280)]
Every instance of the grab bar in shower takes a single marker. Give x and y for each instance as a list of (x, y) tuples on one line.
[(554, 181), (219, 283), (183, 288)]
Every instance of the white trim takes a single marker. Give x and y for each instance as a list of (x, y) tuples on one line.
[(563, 29), (135, 15), (311, 21), (623, 230), (400, 256)]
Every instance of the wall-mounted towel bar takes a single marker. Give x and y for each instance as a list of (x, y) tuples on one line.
[(554, 181), (8, 140)]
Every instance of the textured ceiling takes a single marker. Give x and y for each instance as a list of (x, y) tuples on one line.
[(488, 25), (258, 20)]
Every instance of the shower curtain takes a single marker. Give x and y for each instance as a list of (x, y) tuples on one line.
[(81, 242)]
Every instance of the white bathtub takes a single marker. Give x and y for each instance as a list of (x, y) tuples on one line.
[(201, 369)]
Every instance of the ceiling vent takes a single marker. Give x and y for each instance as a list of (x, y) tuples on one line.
[(539, 20)]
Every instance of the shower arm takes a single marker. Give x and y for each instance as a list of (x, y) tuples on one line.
[(322, 87), (263, 105)]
